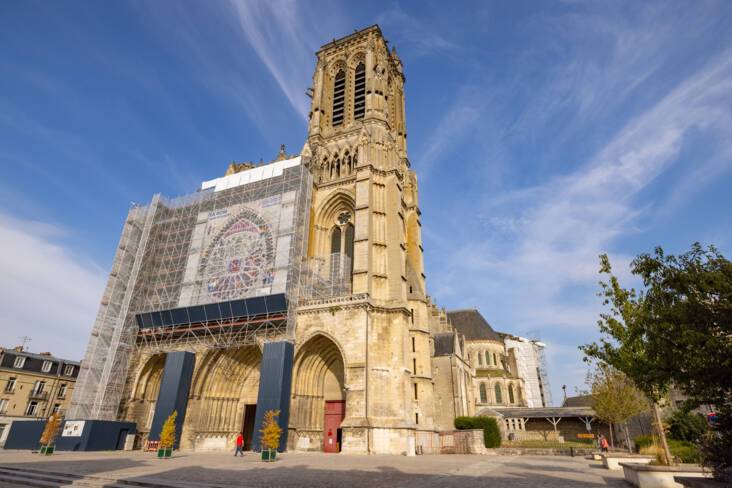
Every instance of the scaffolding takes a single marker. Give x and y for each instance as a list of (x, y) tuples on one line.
[(322, 278), (240, 237)]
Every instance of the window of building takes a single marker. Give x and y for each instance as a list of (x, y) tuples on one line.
[(19, 362), (46, 366), (483, 394), (3, 406), (487, 358), (510, 394), (38, 387), (480, 359), (62, 390), (335, 240), (31, 409), (339, 97), (56, 408), (69, 369), (495, 360), (10, 386), (414, 365), (341, 246), (2, 430), (415, 391), (416, 418), (499, 393), (414, 345), (359, 94)]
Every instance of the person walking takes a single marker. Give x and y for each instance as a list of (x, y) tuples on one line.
[(603, 443), (239, 445)]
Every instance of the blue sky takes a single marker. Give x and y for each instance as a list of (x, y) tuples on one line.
[(543, 134)]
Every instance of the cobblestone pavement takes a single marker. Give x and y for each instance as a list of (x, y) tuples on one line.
[(331, 470)]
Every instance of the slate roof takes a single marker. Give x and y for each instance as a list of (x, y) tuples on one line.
[(444, 344), (472, 325), (579, 401), (523, 412)]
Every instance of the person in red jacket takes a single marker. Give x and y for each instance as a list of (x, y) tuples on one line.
[(603, 443), (239, 445)]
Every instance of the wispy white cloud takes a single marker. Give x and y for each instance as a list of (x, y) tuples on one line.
[(46, 292), (536, 263), (284, 34)]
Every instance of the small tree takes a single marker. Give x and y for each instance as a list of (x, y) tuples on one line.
[(271, 430), (615, 398), (677, 330), (50, 432), (625, 344), (167, 434)]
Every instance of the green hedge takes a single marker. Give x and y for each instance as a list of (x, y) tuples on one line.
[(685, 451), (491, 432)]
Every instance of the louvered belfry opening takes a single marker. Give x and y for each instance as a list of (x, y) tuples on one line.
[(339, 98), (359, 98)]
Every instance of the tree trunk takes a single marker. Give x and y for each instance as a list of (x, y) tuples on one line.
[(627, 438), (661, 433), (612, 444)]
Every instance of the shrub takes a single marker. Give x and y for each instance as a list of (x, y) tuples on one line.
[(686, 426), (167, 435), (491, 432), (686, 452), (643, 441), (50, 432), (271, 430), (717, 445)]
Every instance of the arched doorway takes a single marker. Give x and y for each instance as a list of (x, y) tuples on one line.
[(319, 399), (145, 396), (225, 390)]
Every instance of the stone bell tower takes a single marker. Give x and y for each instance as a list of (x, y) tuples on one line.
[(365, 220), (357, 141)]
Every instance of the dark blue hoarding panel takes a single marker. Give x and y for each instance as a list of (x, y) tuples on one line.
[(231, 310), (98, 435), (173, 395), (25, 434), (275, 381)]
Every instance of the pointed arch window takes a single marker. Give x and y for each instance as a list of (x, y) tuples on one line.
[(339, 97), (511, 398), (359, 95), (341, 246), (483, 394), (498, 392)]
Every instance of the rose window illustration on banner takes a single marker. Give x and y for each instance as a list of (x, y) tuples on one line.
[(240, 259)]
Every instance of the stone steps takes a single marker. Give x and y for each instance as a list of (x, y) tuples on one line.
[(24, 476)]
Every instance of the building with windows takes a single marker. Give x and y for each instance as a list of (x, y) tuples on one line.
[(33, 386), (509, 370), (296, 285)]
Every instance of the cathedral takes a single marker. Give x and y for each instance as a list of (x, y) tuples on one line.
[(299, 285)]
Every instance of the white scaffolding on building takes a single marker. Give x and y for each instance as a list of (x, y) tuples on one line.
[(240, 236)]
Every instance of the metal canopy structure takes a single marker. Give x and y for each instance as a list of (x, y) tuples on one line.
[(218, 325), (181, 262)]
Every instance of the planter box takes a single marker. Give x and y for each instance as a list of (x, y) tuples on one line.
[(47, 450), (165, 452), (612, 461), (687, 482), (269, 455), (650, 476)]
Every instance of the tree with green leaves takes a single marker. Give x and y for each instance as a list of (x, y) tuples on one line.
[(676, 331), (615, 398)]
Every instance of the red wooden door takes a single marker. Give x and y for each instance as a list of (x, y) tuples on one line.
[(334, 413)]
